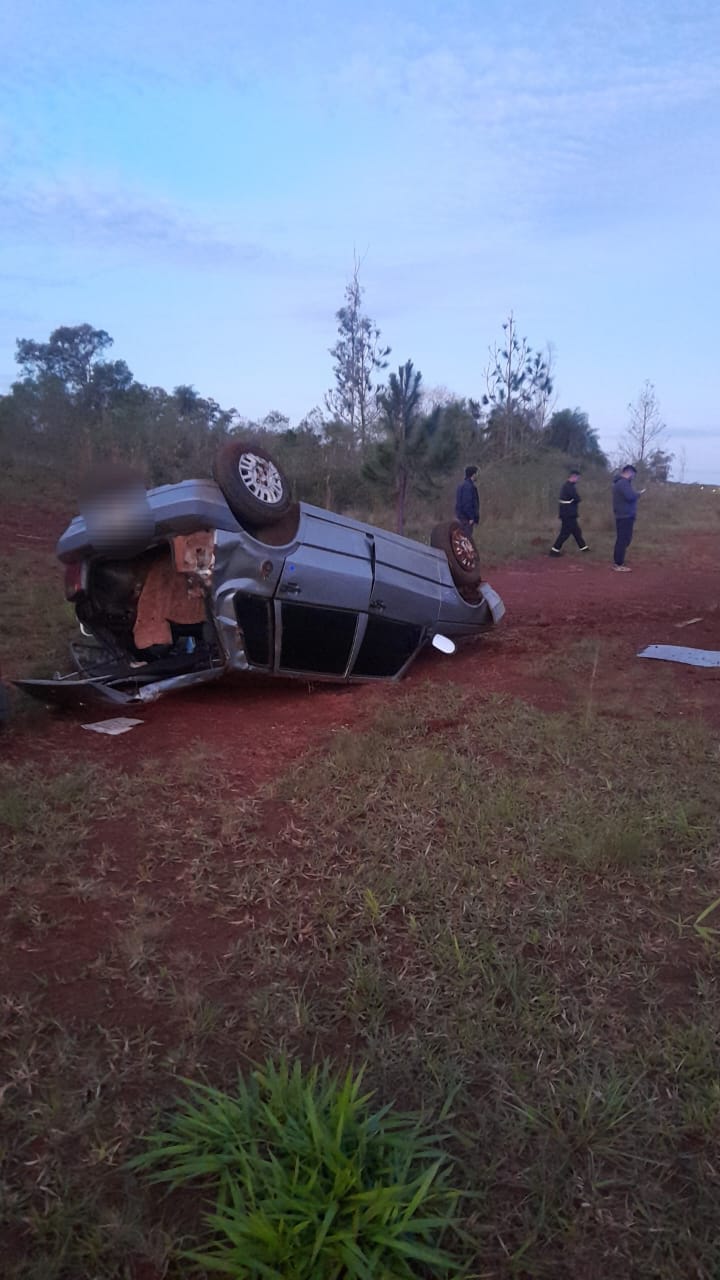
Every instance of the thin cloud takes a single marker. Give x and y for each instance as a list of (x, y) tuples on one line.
[(78, 214), (528, 115)]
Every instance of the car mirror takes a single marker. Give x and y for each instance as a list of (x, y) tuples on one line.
[(443, 643)]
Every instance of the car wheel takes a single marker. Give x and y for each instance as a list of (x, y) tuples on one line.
[(461, 553), (252, 483)]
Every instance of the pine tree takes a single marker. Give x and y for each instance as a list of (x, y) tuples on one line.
[(417, 449), (359, 355)]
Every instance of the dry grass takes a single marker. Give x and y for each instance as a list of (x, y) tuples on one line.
[(519, 503), (37, 623), (473, 897)]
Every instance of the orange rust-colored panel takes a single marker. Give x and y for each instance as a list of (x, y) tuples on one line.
[(194, 552), (166, 596)]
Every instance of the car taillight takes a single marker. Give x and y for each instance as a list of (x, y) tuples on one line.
[(75, 577)]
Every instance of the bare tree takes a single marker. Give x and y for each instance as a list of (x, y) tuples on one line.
[(646, 431), (359, 355), (436, 398)]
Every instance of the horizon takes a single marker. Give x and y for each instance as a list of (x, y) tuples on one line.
[(196, 179)]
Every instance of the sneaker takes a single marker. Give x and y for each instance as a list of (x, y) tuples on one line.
[(622, 568), (554, 552), (585, 548)]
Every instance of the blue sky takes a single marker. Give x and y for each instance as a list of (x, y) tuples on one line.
[(194, 178)]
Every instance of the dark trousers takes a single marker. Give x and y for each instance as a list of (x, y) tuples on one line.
[(624, 528), (569, 528)]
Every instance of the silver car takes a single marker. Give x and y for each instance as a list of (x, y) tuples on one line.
[(182, 584)]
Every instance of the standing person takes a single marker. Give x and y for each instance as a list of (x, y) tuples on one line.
[(568, 512), (467, 502), (625, 500)]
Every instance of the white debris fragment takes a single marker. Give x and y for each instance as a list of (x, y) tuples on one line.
[(677, 653), (119, 724)]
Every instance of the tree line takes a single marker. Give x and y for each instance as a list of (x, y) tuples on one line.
[(380, 432)]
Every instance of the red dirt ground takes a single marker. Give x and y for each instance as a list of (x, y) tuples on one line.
[(562, 616), (571, 635)]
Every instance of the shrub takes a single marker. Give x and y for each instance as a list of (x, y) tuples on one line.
[(307, 1180)]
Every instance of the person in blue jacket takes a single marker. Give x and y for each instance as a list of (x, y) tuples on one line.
[(467, 502), (625, 500)]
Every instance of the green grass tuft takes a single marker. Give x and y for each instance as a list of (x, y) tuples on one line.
[(307, 1180)]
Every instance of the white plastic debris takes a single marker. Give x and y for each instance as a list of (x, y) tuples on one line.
[(678, 653), (119, 724)]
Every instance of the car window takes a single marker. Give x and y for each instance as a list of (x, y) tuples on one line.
[(315, 639), (386, 647)]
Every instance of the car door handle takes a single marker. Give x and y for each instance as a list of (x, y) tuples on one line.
[(291, 588), (379, 605)]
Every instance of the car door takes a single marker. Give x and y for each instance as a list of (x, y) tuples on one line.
[(322, 599), (406, 583), (404, 603)]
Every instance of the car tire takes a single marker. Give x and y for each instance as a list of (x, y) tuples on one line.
[(461, 553), (252, 483)]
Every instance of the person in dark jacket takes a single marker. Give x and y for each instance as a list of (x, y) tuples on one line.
[(625, 500), (467, 502), (568, 512)]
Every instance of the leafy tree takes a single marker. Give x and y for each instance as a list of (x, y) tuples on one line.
[(459, 422), (67, 390), (658, 465), (359, 355), (569, 431), (544, 397), (188, 401), (70, 355), (74, 407), (646, 430), (416, 449), (275, 421), (518, 389)]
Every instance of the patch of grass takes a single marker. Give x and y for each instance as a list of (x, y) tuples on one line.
[(36, 623), (68, 1209), (528, 867), (27, 480), (306, 1179), (473, 897), (509, 781), (46, 816)]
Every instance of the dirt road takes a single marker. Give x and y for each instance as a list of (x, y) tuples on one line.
[(570, 637)]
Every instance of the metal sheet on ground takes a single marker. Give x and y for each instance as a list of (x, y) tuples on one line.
[(119, 724), (680, 653)]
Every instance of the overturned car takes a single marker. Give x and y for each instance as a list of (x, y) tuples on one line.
[(182, 584)]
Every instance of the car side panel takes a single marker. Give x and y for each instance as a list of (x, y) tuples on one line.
[(322, 599), (406, 582), (340, 577)]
